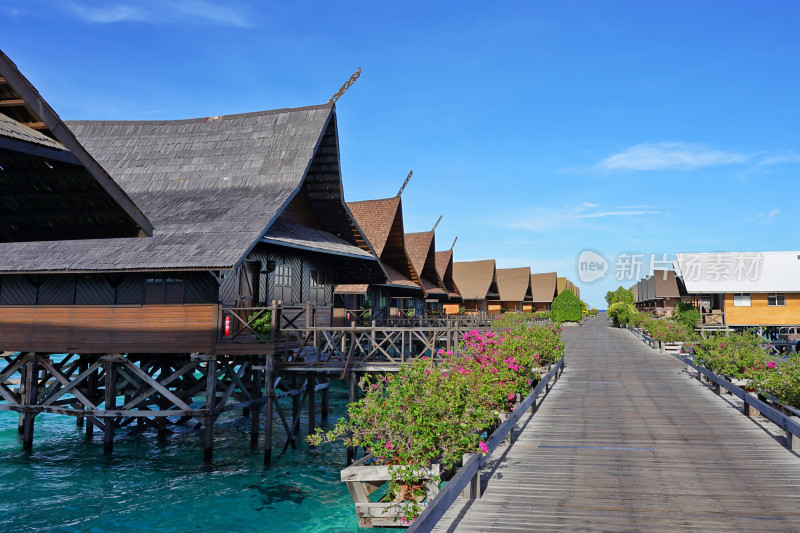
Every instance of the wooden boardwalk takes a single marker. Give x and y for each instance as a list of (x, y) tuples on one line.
[(626, 441)]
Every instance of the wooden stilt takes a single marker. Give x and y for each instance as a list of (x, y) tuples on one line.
[(312, 403), (269, 382), (211, 402), (255, 410), (297, 406), (325, 407), (83, 365), (23, 372), (110, 404), (91, 393), (31, 393), (351, 452)]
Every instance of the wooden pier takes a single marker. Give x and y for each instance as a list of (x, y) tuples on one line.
[(628, 440)]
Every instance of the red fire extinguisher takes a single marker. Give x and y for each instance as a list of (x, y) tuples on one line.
[(227, 331), (348, 316)]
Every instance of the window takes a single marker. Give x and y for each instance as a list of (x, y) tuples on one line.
[(317, 278), (283, 276), (163, 290), (741, 299), (777, 299)]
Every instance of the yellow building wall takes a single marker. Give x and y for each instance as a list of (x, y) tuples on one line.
[(760, 313), (450, 309), (527, 308), (494, 309)]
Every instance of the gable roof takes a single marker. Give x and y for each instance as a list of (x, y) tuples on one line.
[(52, 188), (381, 223), (514, 284), (543, 286), (444, 267), (709, 273), (376, 218), (421, 250), (211, 186), (476, 280)]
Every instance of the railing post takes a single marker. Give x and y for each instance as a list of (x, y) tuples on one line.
[(275, 320), (473, 490)]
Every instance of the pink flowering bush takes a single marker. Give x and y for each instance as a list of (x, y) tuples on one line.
[(730, 355), (780, 379), (437, 409), (424, 413)]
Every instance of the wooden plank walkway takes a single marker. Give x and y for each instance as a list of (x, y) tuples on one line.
[(626, 441)]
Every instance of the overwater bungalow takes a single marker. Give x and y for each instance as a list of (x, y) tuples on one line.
[(743, 289), (562, 283), (444, 266), (421, 251), (246, 209), (544, 290), (514, 287), (399, 292), (477, 284), (658, 293), (53, 189)]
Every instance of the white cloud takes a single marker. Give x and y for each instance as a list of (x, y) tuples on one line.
[(159, 12), (780, 159), (545, 219), (671, 156)]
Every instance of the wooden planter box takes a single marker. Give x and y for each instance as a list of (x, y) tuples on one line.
[(362, 480), (672, 348)]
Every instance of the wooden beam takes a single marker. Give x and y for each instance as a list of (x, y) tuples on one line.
[(2, 81), (36, 125), (12, 103)]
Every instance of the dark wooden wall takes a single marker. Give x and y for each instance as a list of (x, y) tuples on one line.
[(301, 288), (109, 329), (100, 289)]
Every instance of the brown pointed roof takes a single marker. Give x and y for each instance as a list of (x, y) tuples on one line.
[(444, 267), (376, 218), (421, 250), (381, 222), (476, 280), (53, 189), (514, 284), (543, 287)]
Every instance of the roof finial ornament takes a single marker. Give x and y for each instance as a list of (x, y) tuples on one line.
[(437, 223), (408, 178), (454, 243), (346, 86)]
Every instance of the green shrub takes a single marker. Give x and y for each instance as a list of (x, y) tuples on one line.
[(621, 313), (263, 323), (686, 314), (593, 311), (566, 307), (620, 295)]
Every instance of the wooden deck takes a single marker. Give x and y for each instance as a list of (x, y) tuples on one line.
[(627, 440)]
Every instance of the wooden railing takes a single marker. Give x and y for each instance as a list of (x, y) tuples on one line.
[(466, 482), (751, 402)]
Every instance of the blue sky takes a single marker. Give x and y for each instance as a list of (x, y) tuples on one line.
[(538, 129)]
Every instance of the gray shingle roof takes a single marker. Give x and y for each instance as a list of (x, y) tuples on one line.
[(305, 238), (15, 130), (211, 187)]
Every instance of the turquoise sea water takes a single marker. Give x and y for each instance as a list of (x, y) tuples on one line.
[(66, 484)]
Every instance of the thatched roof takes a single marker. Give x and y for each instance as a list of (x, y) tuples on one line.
[(421, 250), (514, 284), (212, 188), (543, 287), (476, 280), (381, 223), (52, 188), (444, 266)]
